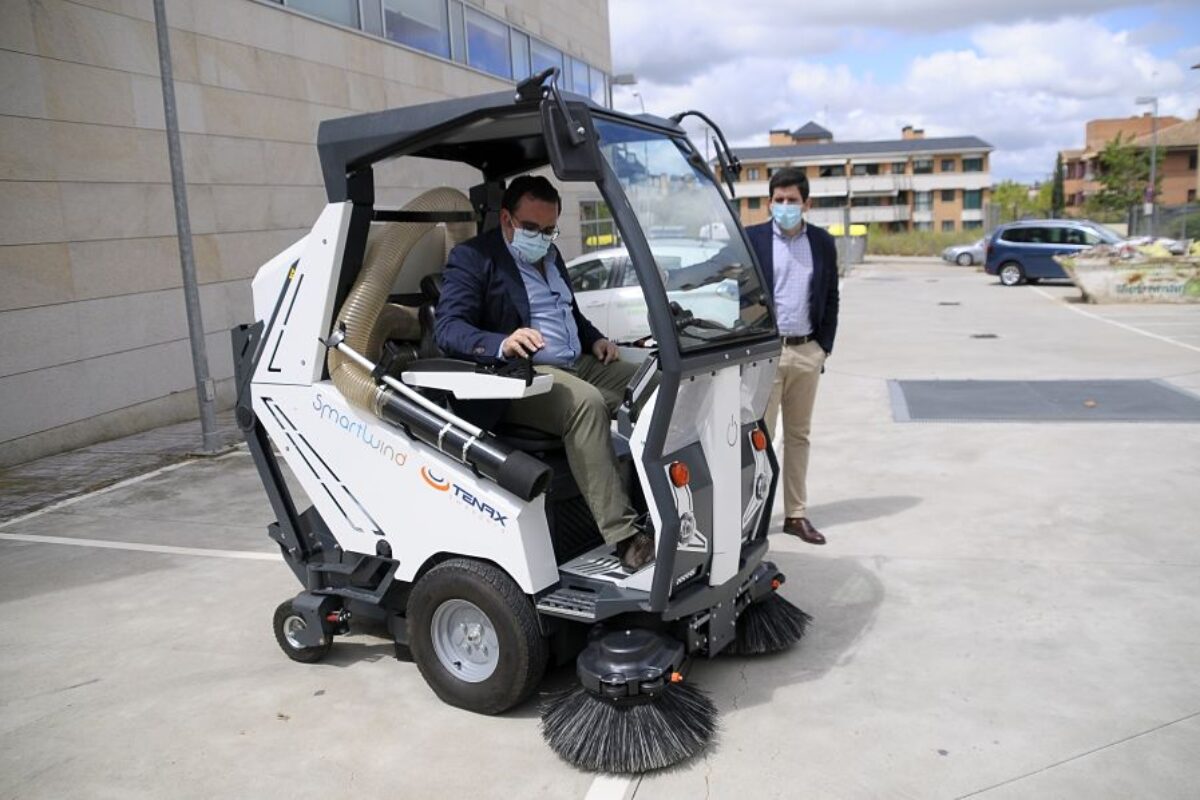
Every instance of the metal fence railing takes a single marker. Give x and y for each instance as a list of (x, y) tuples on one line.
[(1173, 222)]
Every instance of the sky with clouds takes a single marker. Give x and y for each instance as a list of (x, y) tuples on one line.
[(1024, 75)]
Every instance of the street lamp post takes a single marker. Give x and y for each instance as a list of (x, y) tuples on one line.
[(1151, 191)]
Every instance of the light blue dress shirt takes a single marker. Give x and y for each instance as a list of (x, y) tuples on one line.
[(550, 313)]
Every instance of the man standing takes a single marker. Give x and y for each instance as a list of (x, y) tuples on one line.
[(800, 265), (506, 294)]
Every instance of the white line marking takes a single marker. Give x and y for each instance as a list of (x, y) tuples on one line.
[(240, 450), (1166, 339), (106, 544), (610, 787)]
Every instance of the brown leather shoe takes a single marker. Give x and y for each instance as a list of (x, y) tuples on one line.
[(637, 551), (800, 526)]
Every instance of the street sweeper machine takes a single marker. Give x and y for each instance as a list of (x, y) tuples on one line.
[(471, 543)]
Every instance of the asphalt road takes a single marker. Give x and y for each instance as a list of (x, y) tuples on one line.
[(1004, 610)]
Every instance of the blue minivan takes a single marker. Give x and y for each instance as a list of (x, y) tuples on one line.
[(1024, 251)]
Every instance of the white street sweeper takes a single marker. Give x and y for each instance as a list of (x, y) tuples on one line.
[(472, 544)]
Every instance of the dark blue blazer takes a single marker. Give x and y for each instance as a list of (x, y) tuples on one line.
[(484, 300), (823, 291)]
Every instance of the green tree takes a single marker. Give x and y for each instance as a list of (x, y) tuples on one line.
[(1043, 203), (1057, 200), (1013, 200), (1124, 176)]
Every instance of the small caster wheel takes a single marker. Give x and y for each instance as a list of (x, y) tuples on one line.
[(288, 624)]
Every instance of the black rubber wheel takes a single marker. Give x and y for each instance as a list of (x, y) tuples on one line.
[(1011, 273), (287, 621), (474, 635), (964, 260)]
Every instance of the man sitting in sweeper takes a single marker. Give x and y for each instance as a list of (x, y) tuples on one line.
[(506, 294)]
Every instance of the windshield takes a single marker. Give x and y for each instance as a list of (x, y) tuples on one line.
[(699, 254), (1107, 234)]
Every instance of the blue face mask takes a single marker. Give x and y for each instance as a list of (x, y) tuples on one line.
[(531, 246), (786, 215)]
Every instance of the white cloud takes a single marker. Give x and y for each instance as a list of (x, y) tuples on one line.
[(1025, 86)]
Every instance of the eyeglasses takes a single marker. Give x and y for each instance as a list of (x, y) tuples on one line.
[(550, 233)]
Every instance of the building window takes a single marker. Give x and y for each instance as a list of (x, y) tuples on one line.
[(544, 56), (947, 165), (487, 44), (922, 166), (922, 226), (343, 12), (829, 202), (1191, 194), (899, 167), (580, 81), (973, 164), (596, 226), (972, 199), (599, 87), (1192, 161), (832, 171), (417, 23), (949, 195), (866, 169), (772, 170), (753, 203), (923, 201), (972, 224), (752, 174), (947, 226), (520, 55)]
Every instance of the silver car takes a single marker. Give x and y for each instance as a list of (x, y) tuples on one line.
[(606, 287), (965, 255)]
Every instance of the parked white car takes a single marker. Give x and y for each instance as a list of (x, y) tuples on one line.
[(606, 287)]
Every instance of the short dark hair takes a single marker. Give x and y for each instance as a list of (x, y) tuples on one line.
[(534, 185), (788, 176)]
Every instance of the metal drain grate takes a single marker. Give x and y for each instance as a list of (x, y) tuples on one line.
[(1041, 401)]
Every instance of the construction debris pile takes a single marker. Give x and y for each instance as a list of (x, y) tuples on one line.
[(1140, 270)]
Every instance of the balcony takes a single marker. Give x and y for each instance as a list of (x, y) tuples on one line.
[(879, 214), (972, 215)]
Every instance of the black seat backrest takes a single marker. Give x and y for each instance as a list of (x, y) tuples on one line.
[(431, 288)]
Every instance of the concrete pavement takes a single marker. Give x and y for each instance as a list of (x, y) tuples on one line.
[(1003, 610)]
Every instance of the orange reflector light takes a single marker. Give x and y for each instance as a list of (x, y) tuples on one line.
[(680, 474), (776, 583), (758, 439), (676, 677)]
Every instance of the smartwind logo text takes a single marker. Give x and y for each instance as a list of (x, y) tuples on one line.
[(442, 485), (359, 430)]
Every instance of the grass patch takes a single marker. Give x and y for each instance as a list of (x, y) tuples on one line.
[(915, 243)]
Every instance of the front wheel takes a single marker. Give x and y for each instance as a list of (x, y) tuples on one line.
[(475, 637), (1011, 273), (964, 260)]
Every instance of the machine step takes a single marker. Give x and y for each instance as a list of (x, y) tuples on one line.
[(570, 603)]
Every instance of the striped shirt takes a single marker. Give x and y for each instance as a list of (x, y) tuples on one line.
[(793, 281)]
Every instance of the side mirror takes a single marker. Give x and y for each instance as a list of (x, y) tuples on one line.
[(571, 141)]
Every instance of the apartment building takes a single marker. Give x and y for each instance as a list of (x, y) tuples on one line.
[(1178, 143), (93, 335), (910, 183)]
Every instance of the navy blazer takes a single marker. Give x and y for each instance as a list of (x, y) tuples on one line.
[(823, 291), (484, 300)]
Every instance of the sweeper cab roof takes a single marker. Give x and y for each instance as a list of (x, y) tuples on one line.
[(501, 134)]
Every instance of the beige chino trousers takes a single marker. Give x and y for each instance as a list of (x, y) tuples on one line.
[(794, 393), (579, 408)]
